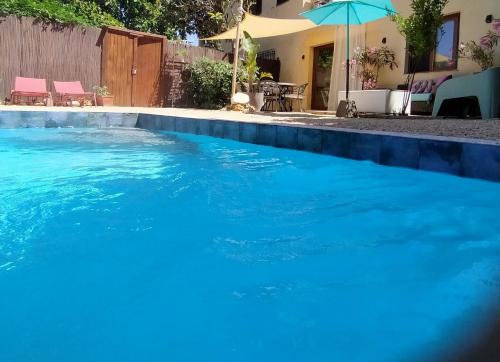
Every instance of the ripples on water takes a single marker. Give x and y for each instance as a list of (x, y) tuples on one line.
[(160, 242)]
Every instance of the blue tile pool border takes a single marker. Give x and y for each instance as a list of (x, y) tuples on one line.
[(48, 119), (462, 157), (458, 156)]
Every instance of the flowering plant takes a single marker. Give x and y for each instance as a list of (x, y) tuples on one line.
[(483, 53), (370, 61), (102, 90)]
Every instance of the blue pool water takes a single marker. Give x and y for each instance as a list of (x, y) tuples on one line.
[(128, 245)]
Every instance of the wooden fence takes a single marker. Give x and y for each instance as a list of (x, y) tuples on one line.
[(31, 48), (34, 49), (178, 51)]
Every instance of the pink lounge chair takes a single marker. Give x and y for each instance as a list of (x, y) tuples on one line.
[(32, 88), (71, 91)]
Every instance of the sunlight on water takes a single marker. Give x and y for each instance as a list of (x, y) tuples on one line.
[(129, 245)]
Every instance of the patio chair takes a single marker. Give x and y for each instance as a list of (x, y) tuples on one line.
[(470, 95), (271, 94), (31, 88), (71, 91), (298, 96)]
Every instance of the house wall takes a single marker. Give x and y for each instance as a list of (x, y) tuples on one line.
[(472, 27), (290, 48)]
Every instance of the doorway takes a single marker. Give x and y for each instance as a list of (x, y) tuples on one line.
[(322, 72)]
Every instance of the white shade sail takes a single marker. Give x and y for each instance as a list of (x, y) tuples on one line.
[(261, 27)]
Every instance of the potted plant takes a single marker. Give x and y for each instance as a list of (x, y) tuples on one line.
[(252, 72), (103, 96), (483, 54), (370, 61)]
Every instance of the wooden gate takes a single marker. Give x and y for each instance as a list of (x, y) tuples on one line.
[(131, 66)]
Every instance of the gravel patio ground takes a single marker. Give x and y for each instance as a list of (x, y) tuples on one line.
[(462, 128)]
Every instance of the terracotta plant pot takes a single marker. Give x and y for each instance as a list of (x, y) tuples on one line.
[(256, 100), (105, 101)]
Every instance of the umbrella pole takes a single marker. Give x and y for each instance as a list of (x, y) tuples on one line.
[(348, 66)]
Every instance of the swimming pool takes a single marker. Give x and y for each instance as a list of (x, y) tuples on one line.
[(130, 245)]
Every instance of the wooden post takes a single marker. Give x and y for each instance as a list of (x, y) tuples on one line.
[(133, 71), (236, 52), (348, 66)]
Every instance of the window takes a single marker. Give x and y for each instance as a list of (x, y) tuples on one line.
[(445, 56), (269, 54), (279, 2), (256, 8)]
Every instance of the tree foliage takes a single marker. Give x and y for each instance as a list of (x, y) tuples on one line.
[(61, 11), (174, 18), (143, 15), (421, 27)]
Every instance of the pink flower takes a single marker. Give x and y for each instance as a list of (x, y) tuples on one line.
[(370, 84), (485, 41), (496, 25)]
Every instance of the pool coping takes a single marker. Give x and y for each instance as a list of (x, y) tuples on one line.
[(465, 157)]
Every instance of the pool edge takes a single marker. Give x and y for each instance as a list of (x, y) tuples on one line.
[(471, 158)]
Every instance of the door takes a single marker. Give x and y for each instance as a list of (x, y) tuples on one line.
[(148, 71), (116, 66), (322, 72), (131, 67)]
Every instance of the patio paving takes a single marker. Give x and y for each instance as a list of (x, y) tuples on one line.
[(461, 128)]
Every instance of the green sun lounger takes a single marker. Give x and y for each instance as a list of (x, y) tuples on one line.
[(457, 96)]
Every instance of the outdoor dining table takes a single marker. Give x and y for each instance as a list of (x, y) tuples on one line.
[(285, 88)]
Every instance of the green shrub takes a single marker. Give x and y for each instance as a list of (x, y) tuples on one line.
[(209, 83)]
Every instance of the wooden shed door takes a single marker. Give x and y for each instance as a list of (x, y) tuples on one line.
[(117, 64), (148, 70), (131, 67)]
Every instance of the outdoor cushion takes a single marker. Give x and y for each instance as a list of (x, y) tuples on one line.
[(428, 88), (416, 86), (30, 85), (421, 97), (69, 87), (423, 87)]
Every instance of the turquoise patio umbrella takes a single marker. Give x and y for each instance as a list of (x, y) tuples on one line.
[(347, 12)]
